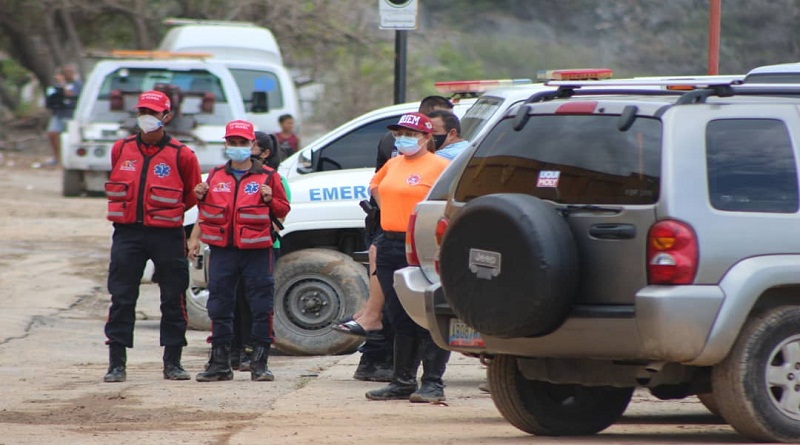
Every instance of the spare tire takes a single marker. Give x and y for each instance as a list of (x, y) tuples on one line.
[(509, 266)]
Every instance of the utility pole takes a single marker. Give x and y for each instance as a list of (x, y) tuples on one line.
[(400, 50), (714, 19)]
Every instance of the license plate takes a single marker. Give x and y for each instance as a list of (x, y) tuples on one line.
[(463, 335)]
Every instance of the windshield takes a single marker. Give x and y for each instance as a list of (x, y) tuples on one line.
[(570, 159), (478, 115), (250, 81)]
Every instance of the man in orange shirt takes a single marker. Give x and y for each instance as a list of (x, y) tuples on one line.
[(397, 187)]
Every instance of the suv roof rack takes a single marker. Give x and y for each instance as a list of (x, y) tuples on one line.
[(699, 92)]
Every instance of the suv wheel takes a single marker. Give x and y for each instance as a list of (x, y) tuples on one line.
[(509, 266), (550, 409), (757, 386), (707, 399)]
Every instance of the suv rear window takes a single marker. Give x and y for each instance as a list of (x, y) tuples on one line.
[(751, 166), (570, 159)]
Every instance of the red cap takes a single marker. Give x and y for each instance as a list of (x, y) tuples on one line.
[(240, 128), (414, 121), (154, 100)]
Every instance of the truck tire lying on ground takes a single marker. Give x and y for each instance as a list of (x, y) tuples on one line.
[(196, 298), (518, 250), (313, 289)]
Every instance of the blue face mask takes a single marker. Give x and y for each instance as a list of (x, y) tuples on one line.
[(406, 144), (238, 154)]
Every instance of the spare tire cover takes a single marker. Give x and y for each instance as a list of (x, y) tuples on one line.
[(509, 266)]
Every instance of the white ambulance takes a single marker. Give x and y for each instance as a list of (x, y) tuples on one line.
[(214, 72)]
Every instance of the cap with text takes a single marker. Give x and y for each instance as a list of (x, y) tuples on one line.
[(240, 128), (414, 121), (154, 100)]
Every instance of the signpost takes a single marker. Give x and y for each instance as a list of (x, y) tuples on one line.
[(400, 15)]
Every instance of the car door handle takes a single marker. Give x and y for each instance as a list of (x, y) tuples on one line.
[(613, 231)]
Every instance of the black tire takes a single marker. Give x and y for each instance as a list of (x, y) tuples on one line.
[(536, 279), (549, 409), (327, 285), (72, 183), (757, 386), (707, 399)]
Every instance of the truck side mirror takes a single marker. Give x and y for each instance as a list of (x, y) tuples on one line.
[(207, 105), (258, 102), (115, 100)]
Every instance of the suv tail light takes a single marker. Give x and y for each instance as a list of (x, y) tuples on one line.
[(441, 227), (411, 249), (671, 253)]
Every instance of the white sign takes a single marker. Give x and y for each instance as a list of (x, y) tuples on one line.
[(398, 14)]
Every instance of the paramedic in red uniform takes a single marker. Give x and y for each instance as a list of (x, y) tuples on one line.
[(237, 205), (150, 186)]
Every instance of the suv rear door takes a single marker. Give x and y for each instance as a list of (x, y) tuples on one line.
[(604, 181)]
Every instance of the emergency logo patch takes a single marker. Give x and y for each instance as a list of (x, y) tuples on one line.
[(161, 170), (224, 187), (548, 178), (251, 187), (128, 165), (414, 179)]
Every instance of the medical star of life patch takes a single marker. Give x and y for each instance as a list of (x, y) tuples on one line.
[(161, 170), (251, 188)]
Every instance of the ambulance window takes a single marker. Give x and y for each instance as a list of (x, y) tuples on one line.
[(257, 80), (357, 149), (478, 115)]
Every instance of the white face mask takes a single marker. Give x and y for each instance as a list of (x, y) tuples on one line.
[(148, 123)]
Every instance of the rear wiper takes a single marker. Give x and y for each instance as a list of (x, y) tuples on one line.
[(575, 208)]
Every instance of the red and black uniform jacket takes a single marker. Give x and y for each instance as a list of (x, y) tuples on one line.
[(151, 184), (233, 213)]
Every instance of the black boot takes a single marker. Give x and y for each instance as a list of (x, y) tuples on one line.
[(117, 356), (406, 364), (245, 358), (434, 362), (236, 352), (219, 365), (371, 369), (258, 364), (172, 364)]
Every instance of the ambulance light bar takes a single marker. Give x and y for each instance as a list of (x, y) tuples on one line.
[(475, 86), (145, 54), (574, 74)]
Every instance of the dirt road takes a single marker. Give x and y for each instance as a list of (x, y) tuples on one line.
[(53, 303)]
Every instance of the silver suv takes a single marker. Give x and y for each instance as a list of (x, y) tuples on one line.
[(598, 241)]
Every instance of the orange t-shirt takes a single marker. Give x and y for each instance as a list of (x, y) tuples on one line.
[(401, 184)]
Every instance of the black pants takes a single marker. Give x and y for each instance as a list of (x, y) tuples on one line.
[(242, 317), (391, 257), (254, 268), (132, 245)]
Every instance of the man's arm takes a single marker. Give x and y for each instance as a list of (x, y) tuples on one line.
[(279, 204), (190, 174)]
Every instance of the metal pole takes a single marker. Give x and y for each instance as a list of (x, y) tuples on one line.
[(400, 45), (714, 16)]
